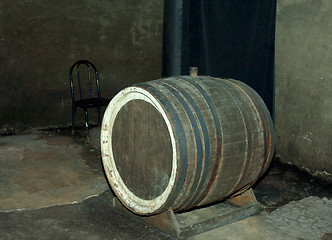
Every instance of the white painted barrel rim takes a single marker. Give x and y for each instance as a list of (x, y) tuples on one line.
[(128, 198)]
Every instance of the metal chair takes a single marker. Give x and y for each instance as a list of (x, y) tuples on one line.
[(93, 100)]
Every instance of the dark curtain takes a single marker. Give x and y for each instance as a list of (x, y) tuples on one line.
[(225, 38)]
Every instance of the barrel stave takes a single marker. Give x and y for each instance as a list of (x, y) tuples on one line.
[(203, 120)]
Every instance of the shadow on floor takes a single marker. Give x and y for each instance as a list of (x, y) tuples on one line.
[(92, 219)]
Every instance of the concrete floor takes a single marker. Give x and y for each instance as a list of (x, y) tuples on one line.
[(52, 186), (42, 169)]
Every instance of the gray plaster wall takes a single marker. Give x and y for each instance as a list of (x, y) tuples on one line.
[(303, 83), (40, 40)]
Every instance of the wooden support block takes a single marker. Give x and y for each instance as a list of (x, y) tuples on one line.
[(165, 222), (245, 198), (190, 223)]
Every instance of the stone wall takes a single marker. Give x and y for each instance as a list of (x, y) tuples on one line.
[(40, 40), (303, 83)]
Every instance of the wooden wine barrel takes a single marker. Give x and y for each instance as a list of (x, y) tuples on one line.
[(182, 142)]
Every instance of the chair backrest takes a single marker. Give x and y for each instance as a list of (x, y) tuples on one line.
[(89, 67)]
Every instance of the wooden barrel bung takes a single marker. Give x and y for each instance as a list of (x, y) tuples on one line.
[(186, 141)]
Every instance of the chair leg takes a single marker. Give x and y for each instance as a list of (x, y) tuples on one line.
[(98, 109), (86, 123), (73, 121)]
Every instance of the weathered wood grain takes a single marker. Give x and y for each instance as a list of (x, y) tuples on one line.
[(181, 142)]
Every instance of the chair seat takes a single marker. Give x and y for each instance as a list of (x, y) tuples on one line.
[(92, 102)]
